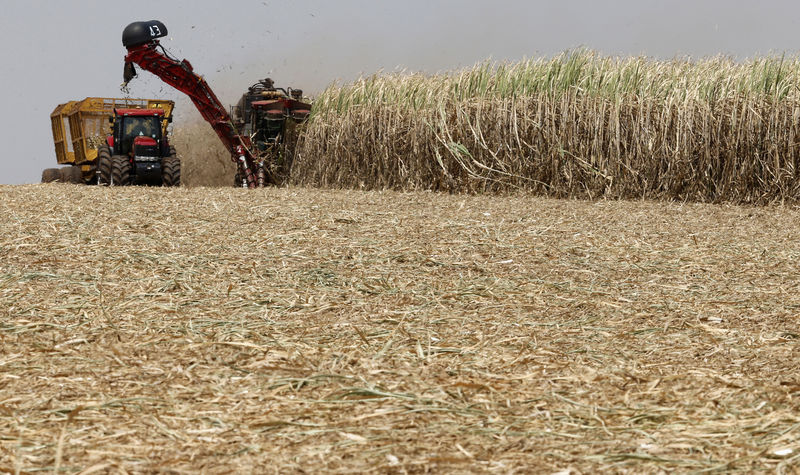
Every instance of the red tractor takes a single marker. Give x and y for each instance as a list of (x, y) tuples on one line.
[(254, 159), (138, 151)]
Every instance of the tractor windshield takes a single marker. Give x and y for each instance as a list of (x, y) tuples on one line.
[(135, 126), (147, 126)]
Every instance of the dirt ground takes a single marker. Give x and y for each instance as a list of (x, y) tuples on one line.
[(296, 330)]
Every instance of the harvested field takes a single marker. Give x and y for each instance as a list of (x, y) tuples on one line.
[(279, 330)]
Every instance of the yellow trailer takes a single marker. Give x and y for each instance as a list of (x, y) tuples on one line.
[(80, 127)]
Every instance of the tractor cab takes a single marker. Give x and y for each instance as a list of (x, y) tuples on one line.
[(138, 132)]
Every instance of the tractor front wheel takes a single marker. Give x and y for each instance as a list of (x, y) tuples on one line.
[(120, 171), (171, 171)]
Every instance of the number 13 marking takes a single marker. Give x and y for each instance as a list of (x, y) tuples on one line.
[(155, 30)]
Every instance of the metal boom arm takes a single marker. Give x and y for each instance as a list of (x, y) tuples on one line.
[(181, 76)]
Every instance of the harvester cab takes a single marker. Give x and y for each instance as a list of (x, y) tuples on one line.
[(242, 112), (271, 119), (264, 112)]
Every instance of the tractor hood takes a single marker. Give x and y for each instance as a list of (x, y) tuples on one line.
[(144, 141)]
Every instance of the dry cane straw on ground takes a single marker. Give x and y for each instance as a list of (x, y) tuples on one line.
[(289, 329)]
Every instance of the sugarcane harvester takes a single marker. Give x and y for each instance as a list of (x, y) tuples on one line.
[(141, 40)]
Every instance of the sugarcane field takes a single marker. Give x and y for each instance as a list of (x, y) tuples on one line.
[(569, 263)]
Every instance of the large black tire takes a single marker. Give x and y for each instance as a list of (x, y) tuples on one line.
[(71, 174), (104, 165), (120, 171), (171, 171), (50, 175)]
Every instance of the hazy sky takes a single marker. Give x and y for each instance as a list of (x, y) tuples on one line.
[(56, 51)]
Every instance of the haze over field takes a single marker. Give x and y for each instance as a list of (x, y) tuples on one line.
[(55, 52)]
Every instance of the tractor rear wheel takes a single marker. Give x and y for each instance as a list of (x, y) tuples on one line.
[(120, 171), (50, 175), (171, 171), (104, 165)]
